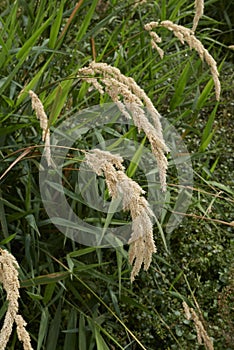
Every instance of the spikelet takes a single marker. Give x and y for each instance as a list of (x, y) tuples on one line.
[(139, 2), (9, 279), (187, 35), (41, 115), (202, 335), (130, 99), (199, 9), (121, 186), (155, 37)]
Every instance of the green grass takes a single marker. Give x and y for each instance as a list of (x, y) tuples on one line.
[(77, 297)]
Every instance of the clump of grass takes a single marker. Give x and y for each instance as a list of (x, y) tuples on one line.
[(81, 313)]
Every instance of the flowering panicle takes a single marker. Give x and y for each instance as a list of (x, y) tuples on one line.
[(187, 35), (41, 115), (139, 2), (201, 332), (9, 279), (120, 185), (199, 10), (155, 38), (119, 87)]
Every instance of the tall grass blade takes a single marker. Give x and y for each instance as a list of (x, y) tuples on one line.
[(43, 329), (60, 96), (179, 94), (32, 84), (101, 344), (52, 339), (203, 97), (134, 164), (54, 30), (82, 333), (27, 47), (208, 132), (86, 21), (71, 333)]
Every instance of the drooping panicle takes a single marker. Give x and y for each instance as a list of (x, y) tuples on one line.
[(41, 115), (132, 102), (9, 278), (121, 186), (187, 35)]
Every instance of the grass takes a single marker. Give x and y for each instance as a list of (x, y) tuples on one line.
[(78, 297)]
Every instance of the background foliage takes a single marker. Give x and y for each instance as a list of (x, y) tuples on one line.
[(76, 297)]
